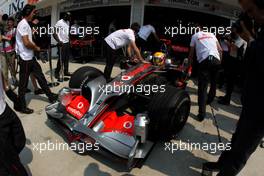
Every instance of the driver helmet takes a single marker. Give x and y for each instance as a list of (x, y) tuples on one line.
[(158, 58)]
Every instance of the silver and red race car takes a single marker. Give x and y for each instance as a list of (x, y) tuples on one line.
[(125, 116)]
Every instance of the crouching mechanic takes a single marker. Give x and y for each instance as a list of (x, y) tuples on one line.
[(116, 40), (12, 139), (25, 48)]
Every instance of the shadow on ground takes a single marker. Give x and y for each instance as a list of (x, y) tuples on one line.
[(26, 157)]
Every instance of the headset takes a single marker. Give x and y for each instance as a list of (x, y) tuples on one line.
[(27, 10)]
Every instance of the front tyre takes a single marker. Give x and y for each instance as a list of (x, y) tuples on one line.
[(168, 112)]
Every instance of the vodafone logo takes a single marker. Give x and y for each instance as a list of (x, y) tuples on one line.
[(126, 78), (128, 125), (80, 105)]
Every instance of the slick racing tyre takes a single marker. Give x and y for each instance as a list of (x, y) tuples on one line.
[(168, 112), (84, 73)]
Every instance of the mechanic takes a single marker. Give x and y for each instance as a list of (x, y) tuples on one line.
[(209, 54), (12, 138), (25, 48), (249, 131), (233, 63), (143, 39), (116, 40), (62, 37)]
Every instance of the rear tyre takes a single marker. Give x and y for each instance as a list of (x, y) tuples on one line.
[(83, 74), (168, 112)]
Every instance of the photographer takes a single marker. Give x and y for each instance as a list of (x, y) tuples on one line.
[(249, 131)]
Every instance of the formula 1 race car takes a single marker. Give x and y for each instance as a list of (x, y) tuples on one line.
[(125, 116)]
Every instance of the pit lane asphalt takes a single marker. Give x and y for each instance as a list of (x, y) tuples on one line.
[(161, 162)]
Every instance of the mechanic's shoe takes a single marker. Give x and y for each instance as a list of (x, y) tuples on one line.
[(23, 110), (53, 98), (39, 91), (200, 117), (223, 101), (209, 168)]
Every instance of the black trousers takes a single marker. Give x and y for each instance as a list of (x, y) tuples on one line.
[(208, 70), (111, 56), (12, 141), (64, 55), (222, 75), (232, 70), (26, 68), (245, 140)]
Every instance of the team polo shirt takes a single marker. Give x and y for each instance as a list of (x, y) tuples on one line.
[(205, 44), (120, 38), (23, 29), (145, 31)]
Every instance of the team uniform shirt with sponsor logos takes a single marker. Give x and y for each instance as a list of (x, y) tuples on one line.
[(63, 28), (205, 44), (145, 31), (23, 29), (120, 38)]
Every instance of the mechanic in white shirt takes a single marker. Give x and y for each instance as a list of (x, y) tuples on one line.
[(25, 48), (62, 36), (209, 54), (144, 34), (12, 138), (116, 40)]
